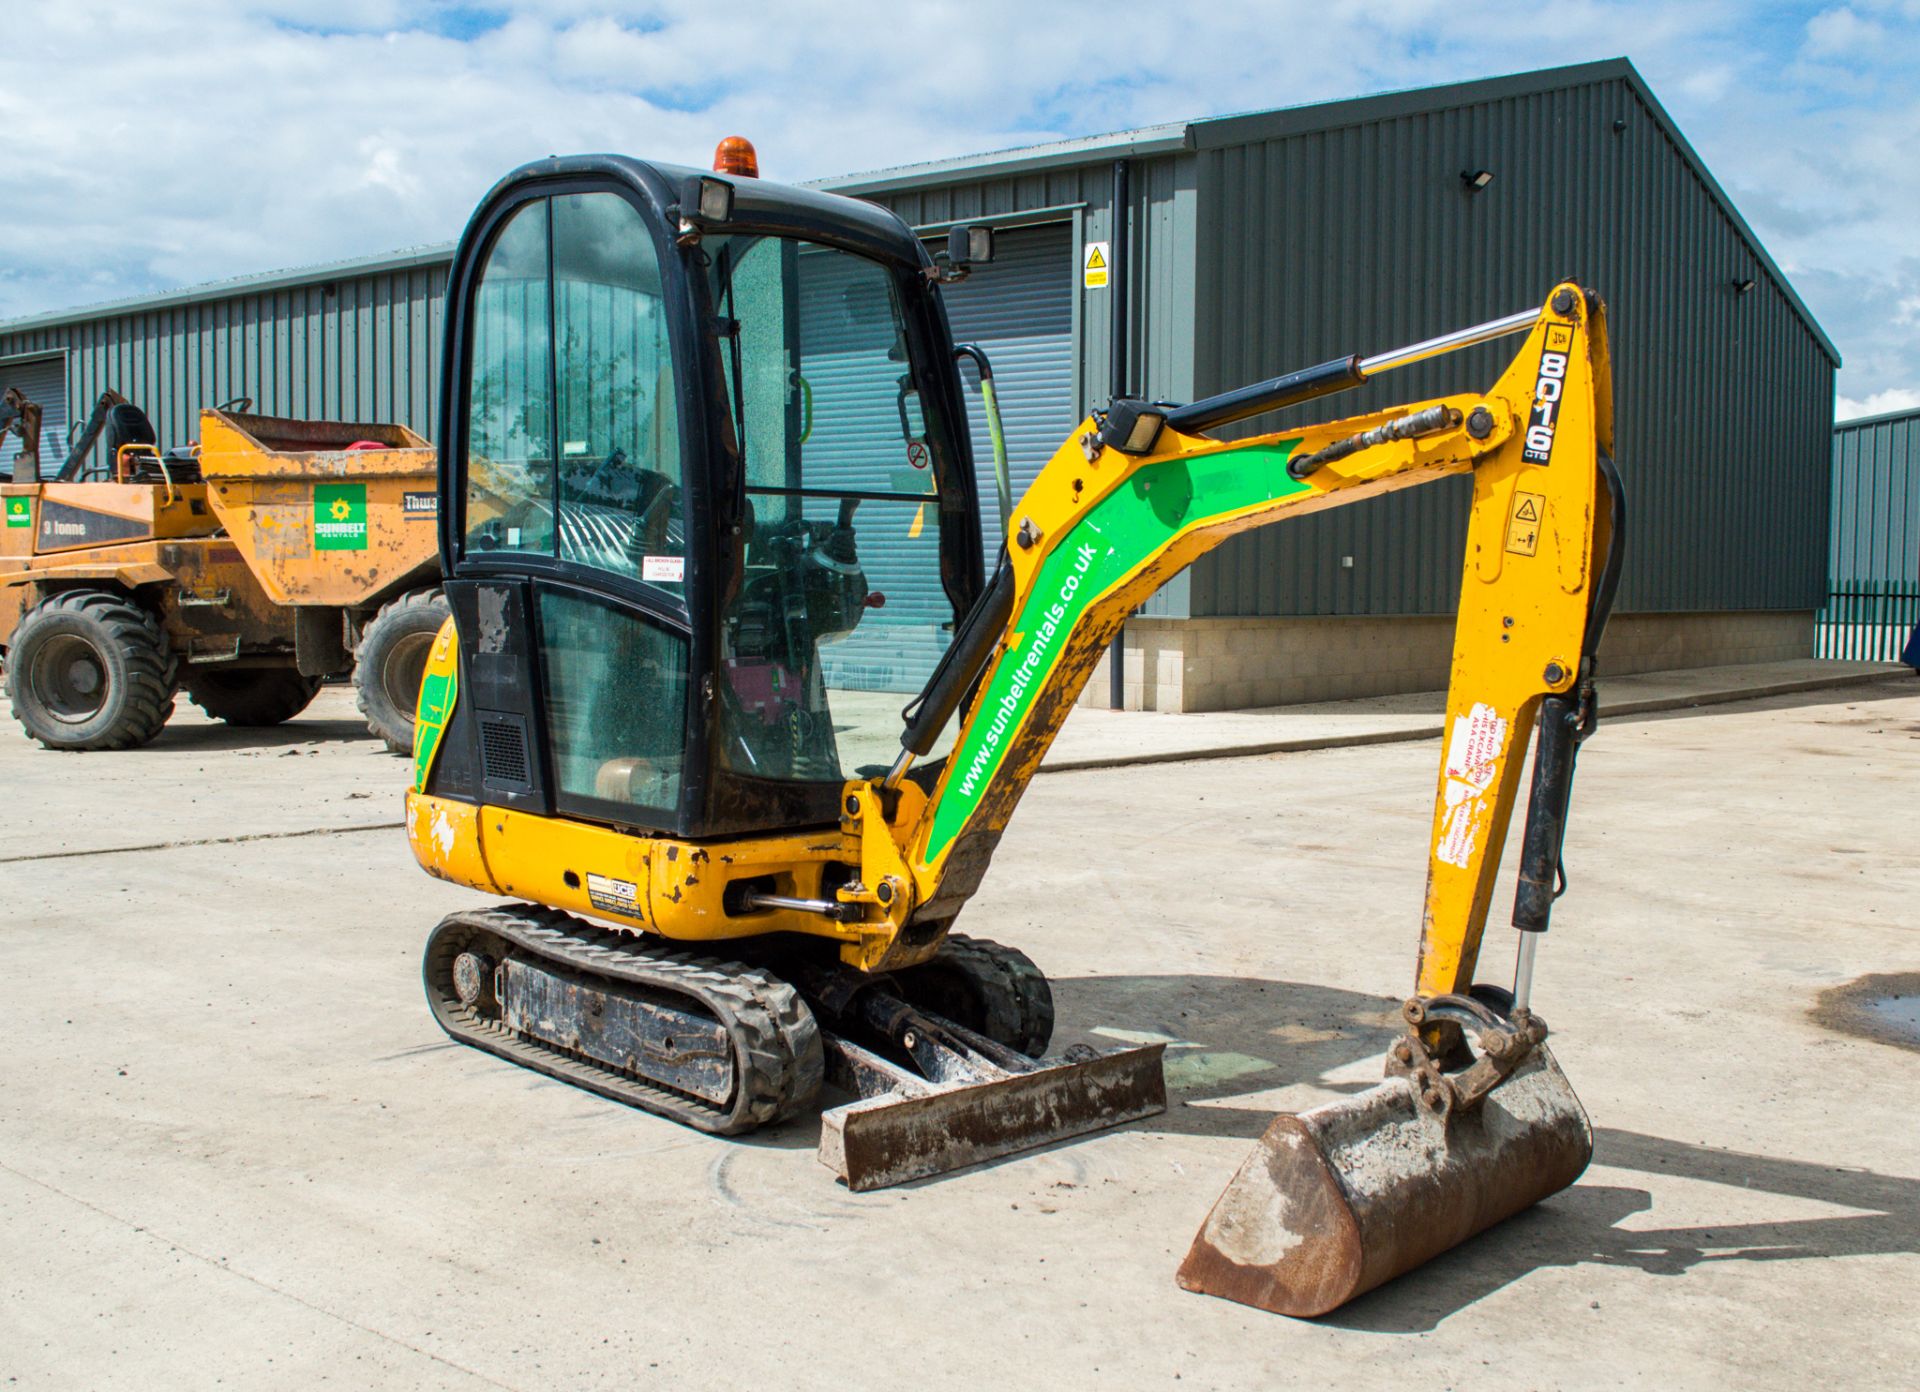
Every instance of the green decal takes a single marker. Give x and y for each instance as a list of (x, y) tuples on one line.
[(1122, 530), (437, 692), (340, 517), (19, 512)]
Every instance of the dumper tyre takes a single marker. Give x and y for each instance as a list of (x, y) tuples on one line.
[(390, 662), (251, 697), (90, 669)]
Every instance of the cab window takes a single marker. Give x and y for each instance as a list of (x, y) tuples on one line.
[(573, 440), (616, 693), (509, 398)]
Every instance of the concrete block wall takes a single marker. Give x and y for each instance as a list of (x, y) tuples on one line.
[(1240, 664)]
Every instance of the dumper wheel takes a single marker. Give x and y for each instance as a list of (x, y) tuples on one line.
[(252, 696), (90, 669), (392, 657), (990, 988)]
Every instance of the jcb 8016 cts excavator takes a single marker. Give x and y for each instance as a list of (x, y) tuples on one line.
[(719, 430)]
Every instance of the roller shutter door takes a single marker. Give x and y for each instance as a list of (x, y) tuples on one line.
[(1020, 310), (42, 381)]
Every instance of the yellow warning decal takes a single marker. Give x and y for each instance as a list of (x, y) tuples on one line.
[(1093, 266), (1523, 528)]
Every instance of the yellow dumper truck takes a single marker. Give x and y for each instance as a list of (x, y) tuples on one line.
[(243, 570)]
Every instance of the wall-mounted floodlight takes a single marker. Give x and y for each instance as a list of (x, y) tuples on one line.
[(1740, 287), (1476, 179)]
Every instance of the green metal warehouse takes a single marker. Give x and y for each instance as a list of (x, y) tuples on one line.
[(1249, 245), (1873, 600)]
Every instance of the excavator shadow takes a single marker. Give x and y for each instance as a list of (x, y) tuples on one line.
[(1230, 1037), (1226, 1045), (1586, 1226), (182, 736), (1235, 1037)]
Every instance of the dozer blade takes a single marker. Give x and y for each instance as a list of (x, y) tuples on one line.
[(1337, 1200), (918, 1128)]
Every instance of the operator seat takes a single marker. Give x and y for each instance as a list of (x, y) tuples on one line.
[(127, 424)]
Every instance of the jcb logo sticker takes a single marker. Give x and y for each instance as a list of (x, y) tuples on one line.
[(1548, 387)]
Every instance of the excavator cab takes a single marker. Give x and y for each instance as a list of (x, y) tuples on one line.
[(713, 503)]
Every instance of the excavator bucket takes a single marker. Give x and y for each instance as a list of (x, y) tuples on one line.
[(1342, 1198)]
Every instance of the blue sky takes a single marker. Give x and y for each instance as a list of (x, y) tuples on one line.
[(157, 145)]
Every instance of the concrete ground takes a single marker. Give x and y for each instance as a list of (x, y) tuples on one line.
[(235, 1150)]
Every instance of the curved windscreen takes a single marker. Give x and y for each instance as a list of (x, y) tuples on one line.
[(572, 438)]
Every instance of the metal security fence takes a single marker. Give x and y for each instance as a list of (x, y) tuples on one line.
[(1873, 602), (1869, 623)]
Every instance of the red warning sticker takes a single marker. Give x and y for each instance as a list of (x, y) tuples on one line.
[(1474, 750)]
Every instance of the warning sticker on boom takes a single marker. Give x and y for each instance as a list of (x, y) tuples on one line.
[(1523, 528), (1474, 749)]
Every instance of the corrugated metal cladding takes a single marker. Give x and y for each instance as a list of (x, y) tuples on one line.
[(43, 381), (1363, 236), (1271, 241), (1876, 501), (363, 347)]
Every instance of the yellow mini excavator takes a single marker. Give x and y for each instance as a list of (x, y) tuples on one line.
[(719, 432)]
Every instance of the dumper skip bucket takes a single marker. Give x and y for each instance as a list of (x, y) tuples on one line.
[(1337, 1200)]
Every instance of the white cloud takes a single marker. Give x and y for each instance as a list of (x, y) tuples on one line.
[(310, 130), (1845, 408), (1841, 32)]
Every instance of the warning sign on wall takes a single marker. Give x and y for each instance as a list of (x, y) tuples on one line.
[(1093, 266)]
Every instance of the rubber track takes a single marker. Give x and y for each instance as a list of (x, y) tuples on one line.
[(1020, 1002), (152, 670), (778, 1058)]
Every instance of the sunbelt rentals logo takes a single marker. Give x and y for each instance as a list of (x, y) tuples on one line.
[(1032, 662), (1067, 582), (19, 512), (340, 517)]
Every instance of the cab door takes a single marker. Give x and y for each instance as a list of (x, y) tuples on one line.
[(572, 564)]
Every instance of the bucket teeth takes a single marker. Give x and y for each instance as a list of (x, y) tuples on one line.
[(1339, 1199)]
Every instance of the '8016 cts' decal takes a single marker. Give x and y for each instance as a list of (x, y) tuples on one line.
[(1548, 386)]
